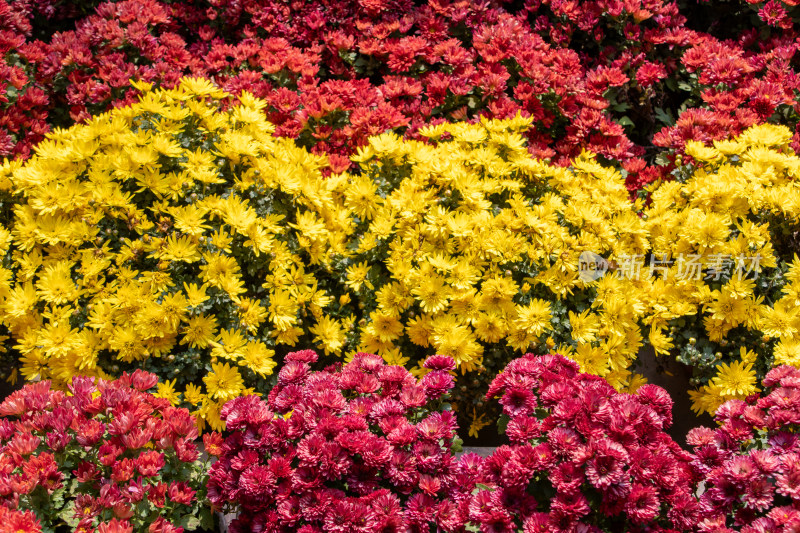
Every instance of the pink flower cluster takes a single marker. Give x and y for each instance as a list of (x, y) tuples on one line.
[(121, 457), (367, 447), (750, 464), (583, 457), (361, 448)]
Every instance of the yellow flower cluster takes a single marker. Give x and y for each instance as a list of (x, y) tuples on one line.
[(173, 236), (734, 210), (466, 246), (180, 236)]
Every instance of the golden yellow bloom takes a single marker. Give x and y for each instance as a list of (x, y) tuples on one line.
[(166, 389), (496, 293), (534, 317), (661, 343), (394, 356), (787, 352), (361, 197), (57, 339), (199, 331), (737, 379), (385, 327), (55, 284), (193, 394), (420, 330), (34, 366), (357, 276), (173, 309), (591, 359), (189, 219), (478, 423), (328, 334), (224, 382), (780, 320), (490, 327), (218, 269), (282, 310), (727, 307), (229, 345), (251, 314), (584, 326), (432, 293), (179, 249), (393, 299), (258, 358), (128, 344), (289, 336)]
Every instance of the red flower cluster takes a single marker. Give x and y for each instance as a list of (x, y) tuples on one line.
[(582, 456), (23, 104), (121, 457), (751, 463), (737, 88), (13, 521), (353, 449), (336, 71)]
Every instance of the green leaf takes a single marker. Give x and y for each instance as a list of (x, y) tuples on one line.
[(664, 117), (625, 121), (67, 515), (662, 159), (502, 423), (189, 522), (457, 444), (57, 498), (206, 518)]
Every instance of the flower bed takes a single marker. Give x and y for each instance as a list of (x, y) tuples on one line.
[(420, 193), (363, 448), (104, 456), (582, 456), (367, 447), (625, 80), (725, 237), (213, 243), (203, 247), (749, 463)]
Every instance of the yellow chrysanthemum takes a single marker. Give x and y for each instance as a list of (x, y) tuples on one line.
[(223, 382), (737, 379)]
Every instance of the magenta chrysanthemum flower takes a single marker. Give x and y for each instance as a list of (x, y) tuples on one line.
[(439, 362), (437, 383), (751, 463), (642, 504), (518, 401), (582, 456), (350, 449)]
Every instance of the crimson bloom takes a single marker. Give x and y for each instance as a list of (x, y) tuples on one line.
[(350, 449), (582, 457)]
